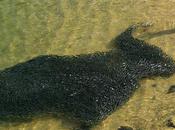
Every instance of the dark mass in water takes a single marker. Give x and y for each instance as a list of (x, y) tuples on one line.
[(85, 87), (170, 123), (171, 89), (125, 128)]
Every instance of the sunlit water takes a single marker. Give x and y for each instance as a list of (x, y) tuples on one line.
[(29, 28)]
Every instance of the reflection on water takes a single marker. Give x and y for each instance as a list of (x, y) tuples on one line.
[(69, 27)]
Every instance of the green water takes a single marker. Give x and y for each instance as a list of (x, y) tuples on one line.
[(29, 28)]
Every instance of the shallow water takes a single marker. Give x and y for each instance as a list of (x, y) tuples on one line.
[(70, 27)]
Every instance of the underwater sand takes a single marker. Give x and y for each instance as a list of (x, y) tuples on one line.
[(29, 28)]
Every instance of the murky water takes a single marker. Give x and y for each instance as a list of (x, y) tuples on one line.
[(29, 28)]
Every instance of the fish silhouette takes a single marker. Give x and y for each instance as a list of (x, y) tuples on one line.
[(86, 87)]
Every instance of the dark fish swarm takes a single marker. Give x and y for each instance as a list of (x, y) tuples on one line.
[(125, 128), (171, 89), (86, 87)]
